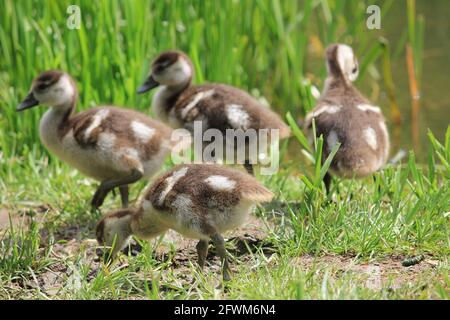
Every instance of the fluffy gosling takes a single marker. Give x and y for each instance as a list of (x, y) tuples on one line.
[(344, 115), (116, 146), (200, 201), (217, 106)]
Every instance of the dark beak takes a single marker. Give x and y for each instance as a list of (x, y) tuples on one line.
[(148, 85), (29, 102), (104, 254)]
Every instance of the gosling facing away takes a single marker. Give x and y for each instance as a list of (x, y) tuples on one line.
[(217, 106), (113, 145), (200, 201), (343, 115)]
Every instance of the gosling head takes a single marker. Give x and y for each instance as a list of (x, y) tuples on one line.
[(114, 230), (341, 62), (171, 69), (53, 88)]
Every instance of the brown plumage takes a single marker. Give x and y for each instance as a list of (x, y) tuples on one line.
[(216, 106), (200, 201), (344, 115), (116, 146)]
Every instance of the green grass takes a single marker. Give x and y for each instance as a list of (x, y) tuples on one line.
[(404, 213), (263, 46), (265, 51)]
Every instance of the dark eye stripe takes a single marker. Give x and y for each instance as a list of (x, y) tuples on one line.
[(47, 79), (41, 86), (159, 68), (166, 59)]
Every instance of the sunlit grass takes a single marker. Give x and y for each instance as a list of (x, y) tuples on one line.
[(272, 48), (263, 46), (404, 213)]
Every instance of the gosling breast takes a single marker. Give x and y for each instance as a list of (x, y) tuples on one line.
[(108, 142)]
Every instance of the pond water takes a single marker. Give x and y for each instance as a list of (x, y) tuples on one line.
[(434, 88)]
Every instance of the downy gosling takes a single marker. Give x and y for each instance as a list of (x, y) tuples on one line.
[(200, 201), (343, 115), (217, 106), (113, 145)]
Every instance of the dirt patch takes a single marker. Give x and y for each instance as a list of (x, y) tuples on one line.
[(174, 250), (49, 282), (73, 232), (17, 221), (21, 219), (380, 273), (178, 254), (242, 241)]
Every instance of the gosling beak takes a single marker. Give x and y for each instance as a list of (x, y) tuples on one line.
[(148, 85), (104, 254), (29, 102), (108, 258)]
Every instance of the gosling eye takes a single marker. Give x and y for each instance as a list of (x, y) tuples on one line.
[(355, 69), (41, 87), (159, 68)]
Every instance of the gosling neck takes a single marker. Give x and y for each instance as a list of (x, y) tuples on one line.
[(63, 112), (55, 124), (176, 90), (166, 97), (146, 224), (334, 82)]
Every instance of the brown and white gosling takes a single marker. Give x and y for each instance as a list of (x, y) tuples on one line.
[(217, 106), (343, 115), (200, 201), (113, 145)]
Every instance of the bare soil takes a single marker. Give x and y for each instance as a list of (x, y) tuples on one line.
[(180, 254)]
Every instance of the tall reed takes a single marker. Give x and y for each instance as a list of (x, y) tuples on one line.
[(266, 47)]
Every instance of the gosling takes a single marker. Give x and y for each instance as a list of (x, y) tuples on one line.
[(215, 106), (113, 145), (200, 201), (343, 115)]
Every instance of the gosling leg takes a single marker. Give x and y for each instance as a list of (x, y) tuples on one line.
[(124, 195), (107, 185), (222, 252), (202, 251)]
